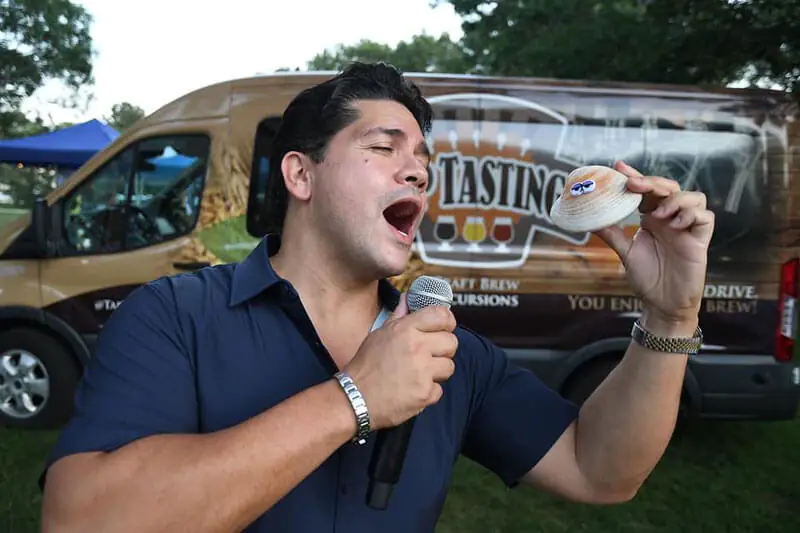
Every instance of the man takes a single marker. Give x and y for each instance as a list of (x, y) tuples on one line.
[(214, 402)]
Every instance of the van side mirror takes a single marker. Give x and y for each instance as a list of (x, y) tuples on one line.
[(40, 220)]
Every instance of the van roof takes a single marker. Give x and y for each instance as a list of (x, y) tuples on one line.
[(216, 97)]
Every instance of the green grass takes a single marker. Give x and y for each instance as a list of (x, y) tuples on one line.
[(22, 455), (8, 214), (715, 478), (229, 240)]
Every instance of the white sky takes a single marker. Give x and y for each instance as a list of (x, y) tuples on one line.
[(149, 52)]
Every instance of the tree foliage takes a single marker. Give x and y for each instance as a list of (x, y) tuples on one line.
[(422, 53), (669, 41), (124, 115), (22, 185), (42, 40)]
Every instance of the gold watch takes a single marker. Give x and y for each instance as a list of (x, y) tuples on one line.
[(687, 345)]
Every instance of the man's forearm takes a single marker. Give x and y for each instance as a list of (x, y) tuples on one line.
[(216, 482), (625, 426)]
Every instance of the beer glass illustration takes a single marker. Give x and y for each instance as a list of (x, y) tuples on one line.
[(474, 232), (445, 231), (502, 233)]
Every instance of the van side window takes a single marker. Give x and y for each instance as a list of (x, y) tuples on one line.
[(147, 194), (257, 210)]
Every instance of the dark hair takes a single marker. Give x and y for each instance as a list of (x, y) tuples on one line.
[(318, 113)]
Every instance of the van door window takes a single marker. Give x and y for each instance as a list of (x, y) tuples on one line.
[(147, 194), (258, 223), (167, 187), (94, 213)]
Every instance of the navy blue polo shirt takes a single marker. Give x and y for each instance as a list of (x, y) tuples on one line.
[(204, 351)]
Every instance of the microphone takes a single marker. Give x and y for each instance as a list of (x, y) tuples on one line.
[(391, 443)]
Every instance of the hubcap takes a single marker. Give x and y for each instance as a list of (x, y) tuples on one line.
[(24, 384)]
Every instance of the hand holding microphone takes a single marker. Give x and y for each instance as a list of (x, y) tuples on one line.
[(399, 368)]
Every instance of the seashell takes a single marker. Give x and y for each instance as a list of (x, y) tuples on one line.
[(594, 197)]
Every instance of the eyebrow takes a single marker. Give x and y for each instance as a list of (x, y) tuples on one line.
[(422, 147)]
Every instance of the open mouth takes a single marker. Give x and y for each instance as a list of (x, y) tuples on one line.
[(401, 216)]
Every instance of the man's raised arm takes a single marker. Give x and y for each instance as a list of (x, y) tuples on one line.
[(624, 427)]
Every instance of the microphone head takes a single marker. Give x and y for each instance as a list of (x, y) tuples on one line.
[(426, 291)]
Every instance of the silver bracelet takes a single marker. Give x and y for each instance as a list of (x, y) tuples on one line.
[(359, 406)]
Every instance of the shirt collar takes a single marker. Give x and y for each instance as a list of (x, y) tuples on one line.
[(255, 275)]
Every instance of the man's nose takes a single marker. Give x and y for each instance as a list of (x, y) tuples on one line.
[(415, 173)]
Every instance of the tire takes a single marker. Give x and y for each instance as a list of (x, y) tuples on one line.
[(587, 377), (54, 370)]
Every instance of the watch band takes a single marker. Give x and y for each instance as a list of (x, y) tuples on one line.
[(359, 406), (687, 345)]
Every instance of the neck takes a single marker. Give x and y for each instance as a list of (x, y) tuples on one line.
[(327, 288)]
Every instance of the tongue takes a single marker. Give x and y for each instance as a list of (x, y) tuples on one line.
[(401, 216), (396, 221)]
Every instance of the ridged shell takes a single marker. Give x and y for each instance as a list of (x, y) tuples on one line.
[(594, 197)]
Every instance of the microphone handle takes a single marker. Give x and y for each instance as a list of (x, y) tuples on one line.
[(387, 462)]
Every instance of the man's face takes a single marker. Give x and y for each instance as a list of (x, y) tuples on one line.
[(368, 195)]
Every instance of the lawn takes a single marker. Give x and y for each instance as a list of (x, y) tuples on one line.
[(715, 478), (8, 214)]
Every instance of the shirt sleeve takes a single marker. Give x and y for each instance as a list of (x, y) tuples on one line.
[(139, 381), (514, 417)]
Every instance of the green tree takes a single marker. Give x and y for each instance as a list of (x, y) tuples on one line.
[(422, 53), (14, 124), (23, 185), (124, 115), (42, 40), (669, 41)]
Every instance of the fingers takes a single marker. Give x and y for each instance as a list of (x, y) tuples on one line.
[(432, 318), (663, 201), (670, 206), (654, 185), (692, 217), (401, 310), (647, 184), (435, 394), (682, 211), (442, 369), (442, 344), (626, 169), (655, 189)]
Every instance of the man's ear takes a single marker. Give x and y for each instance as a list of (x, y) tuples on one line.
[(297, 175)]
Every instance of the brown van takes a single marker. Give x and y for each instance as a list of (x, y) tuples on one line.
[(184, 189)]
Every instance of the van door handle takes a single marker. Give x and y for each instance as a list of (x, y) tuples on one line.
[(191, 265)]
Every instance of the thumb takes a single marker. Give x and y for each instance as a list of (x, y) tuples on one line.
[(615, 238), (401, 310)]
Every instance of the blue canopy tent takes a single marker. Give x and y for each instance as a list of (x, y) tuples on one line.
[(68, 147), (168, 166)]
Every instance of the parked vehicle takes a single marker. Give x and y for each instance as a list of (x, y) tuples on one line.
[(184, 189)]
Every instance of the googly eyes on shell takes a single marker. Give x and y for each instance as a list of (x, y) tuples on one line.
[(582, 187)]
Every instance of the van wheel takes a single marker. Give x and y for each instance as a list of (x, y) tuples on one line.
[(38, 377), (587, 377)]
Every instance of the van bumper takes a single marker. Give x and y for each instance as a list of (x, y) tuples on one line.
[(742, 387)]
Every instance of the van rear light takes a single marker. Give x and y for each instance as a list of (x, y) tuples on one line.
[(787, 311)]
